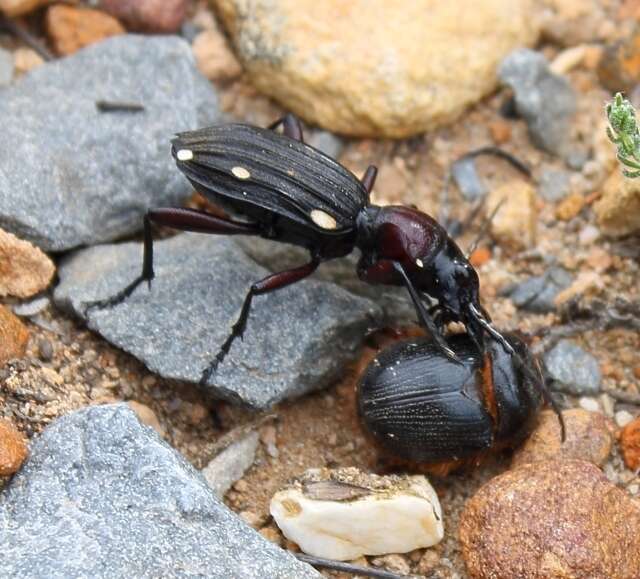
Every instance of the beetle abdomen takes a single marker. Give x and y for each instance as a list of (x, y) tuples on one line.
[(421, 406)]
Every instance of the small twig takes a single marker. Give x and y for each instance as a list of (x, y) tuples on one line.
[(19, 31), (484, 227), (116, 106), (347, 567), (497, 152)]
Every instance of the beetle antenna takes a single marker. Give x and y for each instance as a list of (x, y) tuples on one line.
[(530, 375), (484, 227)]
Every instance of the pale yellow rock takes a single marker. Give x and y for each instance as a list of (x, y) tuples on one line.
[(26, 59), (376, 67), (24, 269), (345, 514), (618, 211), (515, 223)]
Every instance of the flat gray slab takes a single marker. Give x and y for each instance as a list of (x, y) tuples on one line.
[(71, 175), (298, 338), (101, 495)]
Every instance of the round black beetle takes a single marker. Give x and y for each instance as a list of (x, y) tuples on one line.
[(275, 186), (421, 407)]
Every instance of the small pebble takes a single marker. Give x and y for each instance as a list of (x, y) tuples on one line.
[(268, 438), (32, 307), (623, 417), (13, 336), (588, 235), (589, 404), (630, 444), (45, 350), (13, 448), (214, 57), (147, 416), (26, 60), (538, 293), (573, 370), (545, 100), (156, 16), (554, 185), (466, 177), (514, 225), (570, 207), (326, 142), (394, 563)]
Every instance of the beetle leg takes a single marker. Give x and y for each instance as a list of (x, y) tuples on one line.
[(291, 127), (423, 315), (177, 218), (268, 284), (369, 178)]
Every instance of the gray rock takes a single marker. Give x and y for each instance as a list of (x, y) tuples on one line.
[(71, 175), (32, 307), (573, 370), (229, 466), (326, 142), (545, 100), (297, 339), (6, 67), (537, 294), (554, 185), (466, 177), (103, 496)]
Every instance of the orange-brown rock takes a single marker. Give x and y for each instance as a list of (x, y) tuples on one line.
[(376, 67), (19, 7), (618, 210), (71, 28), (24, 269), (515, 223), (619, 68), (13, 336), (569, 208), (13, 448), (551, 520), (630, 444), (214, 57), (589, 436)]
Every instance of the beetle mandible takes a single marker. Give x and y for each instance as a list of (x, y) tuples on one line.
[(277, 187), (422, 408)]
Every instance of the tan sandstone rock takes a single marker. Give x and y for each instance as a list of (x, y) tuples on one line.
[(376, 67), (618, 211)]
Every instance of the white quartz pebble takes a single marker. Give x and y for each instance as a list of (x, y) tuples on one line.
[(345, 514)]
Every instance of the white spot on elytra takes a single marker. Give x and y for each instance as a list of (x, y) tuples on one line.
[(184, 155), (419, 263), (323, 219), (240, 173)]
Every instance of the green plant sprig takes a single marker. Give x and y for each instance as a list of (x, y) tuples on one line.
[(624, 134)]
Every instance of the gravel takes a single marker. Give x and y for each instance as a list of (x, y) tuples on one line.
[(573, 370), (545, 100), (85, 176), (103, 496), (537, 293), (298, 339)]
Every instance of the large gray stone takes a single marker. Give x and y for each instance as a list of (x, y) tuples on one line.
[(545, 100), (298, 338), (101, 495), (71, 175)]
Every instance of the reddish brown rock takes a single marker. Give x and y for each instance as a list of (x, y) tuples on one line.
[(13, 336), (71, 28), (630, 444), (24, 269), (589, 437), (159, 16), (551, 519), (13, 448)]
